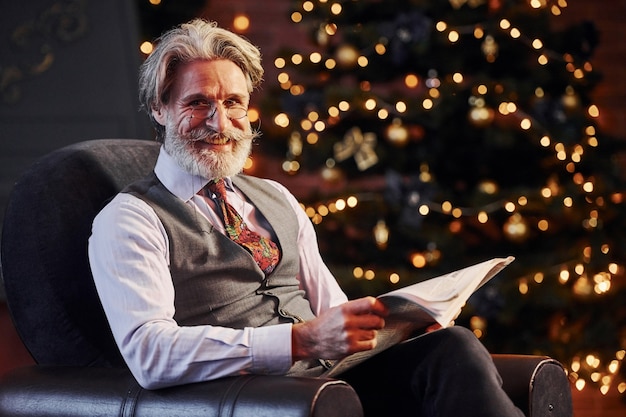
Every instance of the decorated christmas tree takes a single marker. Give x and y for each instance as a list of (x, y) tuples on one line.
[(443, 133)]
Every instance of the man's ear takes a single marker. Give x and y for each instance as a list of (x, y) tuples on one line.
[(159, 115)]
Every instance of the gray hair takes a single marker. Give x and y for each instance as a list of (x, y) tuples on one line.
[(195, 40)]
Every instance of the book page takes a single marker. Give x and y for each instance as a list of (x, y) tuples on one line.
[(445, 295), (413, 308)]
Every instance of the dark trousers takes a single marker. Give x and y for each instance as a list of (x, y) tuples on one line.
[(447, 372)]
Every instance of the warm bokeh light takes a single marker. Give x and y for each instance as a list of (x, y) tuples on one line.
[(241, 23)]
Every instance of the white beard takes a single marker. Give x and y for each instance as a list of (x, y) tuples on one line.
[(207, 163)]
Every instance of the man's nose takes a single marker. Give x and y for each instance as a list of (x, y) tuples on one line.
[(219, 122)]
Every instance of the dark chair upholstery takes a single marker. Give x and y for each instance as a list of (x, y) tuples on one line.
[(79, 371)]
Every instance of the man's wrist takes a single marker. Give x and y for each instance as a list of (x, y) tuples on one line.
[(271, 349), (298, 350)]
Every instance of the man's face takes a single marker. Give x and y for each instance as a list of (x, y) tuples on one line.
[(215, 146)]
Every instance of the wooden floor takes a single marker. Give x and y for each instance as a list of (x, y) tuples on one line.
[(588, 403)]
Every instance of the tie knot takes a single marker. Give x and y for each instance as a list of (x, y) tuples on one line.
[(218, 187)]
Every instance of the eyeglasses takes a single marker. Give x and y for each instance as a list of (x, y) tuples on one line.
[(206, 111)]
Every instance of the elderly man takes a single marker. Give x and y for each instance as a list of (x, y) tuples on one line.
[(204, 272)]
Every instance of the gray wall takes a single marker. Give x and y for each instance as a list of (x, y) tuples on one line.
[(68, 73)]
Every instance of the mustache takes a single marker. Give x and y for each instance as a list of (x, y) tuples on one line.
[(202, 134)]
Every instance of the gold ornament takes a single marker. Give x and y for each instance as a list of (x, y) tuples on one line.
[(397, 134), (322, 36), (457, 4), (490, 48), (488, 187), (583, 287), (516, 228), (494, 5), (570, 100), (360, 145), (347, 56), (381, 234), (481, 116), (295, 144), (330, 173)]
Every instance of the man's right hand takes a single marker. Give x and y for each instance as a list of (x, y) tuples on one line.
[(340, 331)]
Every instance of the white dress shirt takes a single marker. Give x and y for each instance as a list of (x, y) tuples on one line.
[(129, 256)]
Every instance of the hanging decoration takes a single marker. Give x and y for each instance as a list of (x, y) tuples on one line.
[(359, 145), (397, 134), (381, 234), (347, 56), (490, 48), (516, 228), (490, 144), (331, 174)]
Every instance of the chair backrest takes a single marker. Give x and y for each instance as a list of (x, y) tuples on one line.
[(49, 288)]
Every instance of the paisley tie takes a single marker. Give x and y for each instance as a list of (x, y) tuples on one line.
[(263, 250)]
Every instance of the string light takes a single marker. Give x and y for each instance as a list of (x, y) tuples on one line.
[(241, 23), (146, 48), (578, 276)]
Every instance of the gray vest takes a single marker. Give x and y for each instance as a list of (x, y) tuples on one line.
[(217, 282)]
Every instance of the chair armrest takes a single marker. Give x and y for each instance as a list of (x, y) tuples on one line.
[(537, 385), (73, 391)]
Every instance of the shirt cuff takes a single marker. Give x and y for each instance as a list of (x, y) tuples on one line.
[(271, 349)]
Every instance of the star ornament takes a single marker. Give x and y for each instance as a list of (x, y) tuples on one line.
[(359, 145)]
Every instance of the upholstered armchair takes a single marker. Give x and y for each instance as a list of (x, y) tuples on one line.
[(79, 371)]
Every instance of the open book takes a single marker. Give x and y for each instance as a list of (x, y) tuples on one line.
[(436, 300)]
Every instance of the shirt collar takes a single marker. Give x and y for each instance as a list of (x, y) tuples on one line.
[(178, 181)]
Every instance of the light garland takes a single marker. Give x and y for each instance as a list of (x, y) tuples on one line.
[(383, 109), (348, 57)]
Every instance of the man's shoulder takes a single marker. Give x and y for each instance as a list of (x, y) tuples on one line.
[(124, 202), (258, 182), (141, 185)]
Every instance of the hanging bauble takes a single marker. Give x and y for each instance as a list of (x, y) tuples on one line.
[(397, 134), (322, 36), (490, 48), (381, 234), (478, 325), (488, 187), (516, 228), (494, 5), (295, 144), (570, 100), (347, 56), (433, 257), (331, 173), (457, 3), (481, 116), (583, 287)]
